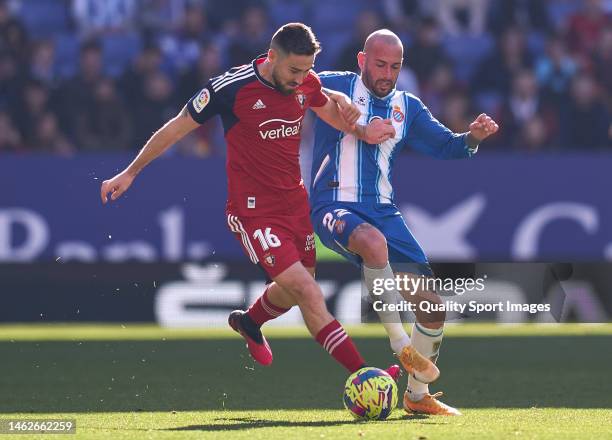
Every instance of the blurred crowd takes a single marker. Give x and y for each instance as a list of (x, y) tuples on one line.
[(103, 75)]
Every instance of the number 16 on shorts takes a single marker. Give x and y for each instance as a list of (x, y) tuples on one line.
[(267, 239), (255, 241), (275, 243)]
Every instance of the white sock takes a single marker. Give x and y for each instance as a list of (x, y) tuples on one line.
[(392, 322), (427, 342)]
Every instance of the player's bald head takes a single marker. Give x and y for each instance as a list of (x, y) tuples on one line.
[(383, 39), (381, 61)]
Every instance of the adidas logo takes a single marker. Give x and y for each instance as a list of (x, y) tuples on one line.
[(259, 105)]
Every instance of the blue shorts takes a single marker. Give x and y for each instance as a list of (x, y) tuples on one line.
[(334, 222)]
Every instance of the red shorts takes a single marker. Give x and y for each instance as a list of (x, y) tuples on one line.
[(275, 243)]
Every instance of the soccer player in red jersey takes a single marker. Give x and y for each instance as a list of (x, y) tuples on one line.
[(262, 106)]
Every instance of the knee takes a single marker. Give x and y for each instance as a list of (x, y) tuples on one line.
[(370, 244), (307, 292)]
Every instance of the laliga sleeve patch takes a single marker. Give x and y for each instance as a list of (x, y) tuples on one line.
[(201, 101)]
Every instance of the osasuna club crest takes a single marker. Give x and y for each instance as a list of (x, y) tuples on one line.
[(301, 98), (269, 260)]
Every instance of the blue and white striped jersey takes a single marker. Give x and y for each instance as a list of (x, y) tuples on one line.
[(349, 170)]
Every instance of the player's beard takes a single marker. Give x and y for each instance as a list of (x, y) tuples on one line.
[(374, 86), (280, 86)]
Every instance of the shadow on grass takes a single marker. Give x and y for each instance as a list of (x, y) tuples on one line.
[(216, 374), (251, 423)]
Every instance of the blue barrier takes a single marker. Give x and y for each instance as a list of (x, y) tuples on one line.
[(493, 207)]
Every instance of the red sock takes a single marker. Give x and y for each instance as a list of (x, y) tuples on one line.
[(337, 342), (263, 310)]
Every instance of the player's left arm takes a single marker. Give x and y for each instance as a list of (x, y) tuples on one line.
[(431, 137), (342, 114)]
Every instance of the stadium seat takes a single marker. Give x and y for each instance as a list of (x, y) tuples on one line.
[(339, 15), (333, 43), (488, 102), (466, 52), (286, 11), (119, 50), (45, 18), (536, 42), (66, 54), (559, 12)]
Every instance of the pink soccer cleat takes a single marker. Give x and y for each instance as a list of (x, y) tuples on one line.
[(394, 371), (256, 342)]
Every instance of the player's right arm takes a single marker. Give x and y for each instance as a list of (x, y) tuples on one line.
[(173, 131), (195, 112), (342, 114)]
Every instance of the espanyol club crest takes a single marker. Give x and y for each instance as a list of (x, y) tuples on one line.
[(397, 114), (269, 260), (340, 224), (301, 98)]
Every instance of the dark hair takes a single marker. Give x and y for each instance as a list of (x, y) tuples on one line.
[(295, 38), (90, 45)]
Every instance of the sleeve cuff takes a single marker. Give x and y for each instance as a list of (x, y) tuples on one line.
[(470, 150)]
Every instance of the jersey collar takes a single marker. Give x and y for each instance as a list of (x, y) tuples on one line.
[(385, 98), (260, 59)]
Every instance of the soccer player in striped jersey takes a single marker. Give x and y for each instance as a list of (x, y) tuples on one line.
[(262, 106), (352, 199)]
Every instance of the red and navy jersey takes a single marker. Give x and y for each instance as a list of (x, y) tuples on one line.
[(262, 130)]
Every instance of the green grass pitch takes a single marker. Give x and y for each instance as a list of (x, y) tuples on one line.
[(143, 382)]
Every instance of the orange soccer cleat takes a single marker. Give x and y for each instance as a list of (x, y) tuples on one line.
[(429, 404), (418, 365)]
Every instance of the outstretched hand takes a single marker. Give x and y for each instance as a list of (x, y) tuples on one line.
[(116, 186), (483, 127)]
